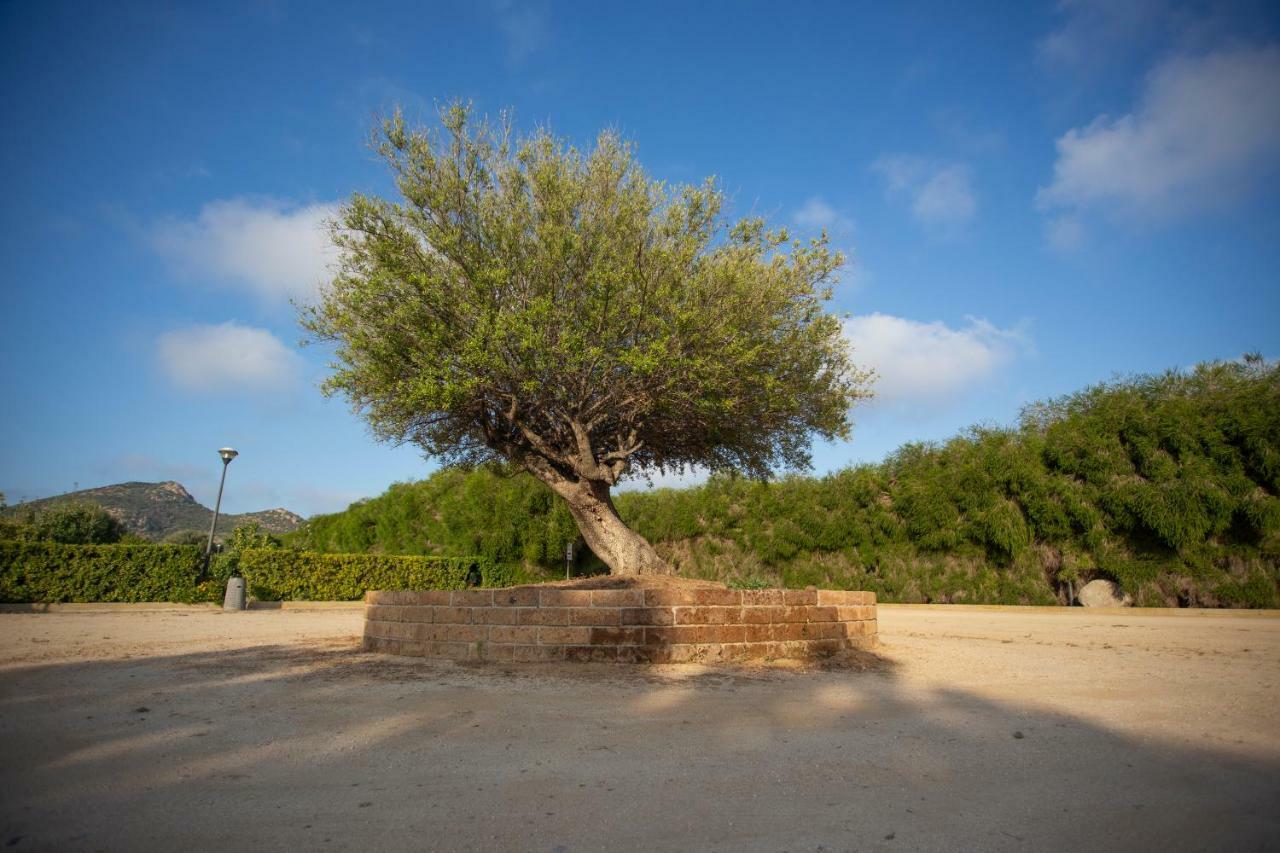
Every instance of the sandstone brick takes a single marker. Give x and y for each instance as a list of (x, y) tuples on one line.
[(761, 597), (472, 598), (757, 615), (859, 629), (824, 631), (565, 598), (729, 634), (519, 635), (616, 636), (498, 652), (669, 598), (718, 597), (856, 613), (791, 614), (825, 648), (800, 597), (594, 615), (647, 616), (516, 596), (565, 636), (789, 631), (707, 615), (495, 615), (758, 633), (617, 597), (544, 616), (451, 615), (670, 635), (822, 614)]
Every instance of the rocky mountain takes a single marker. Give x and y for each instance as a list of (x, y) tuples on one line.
[(156, 510)]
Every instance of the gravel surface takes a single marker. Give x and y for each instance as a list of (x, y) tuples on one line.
[(971, 729)]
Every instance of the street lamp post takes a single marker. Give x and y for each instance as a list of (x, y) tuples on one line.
[(227, 454)]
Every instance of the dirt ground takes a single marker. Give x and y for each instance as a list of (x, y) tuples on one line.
[(972, 729)]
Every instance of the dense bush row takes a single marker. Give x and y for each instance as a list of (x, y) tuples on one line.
[(286, 575), (52, 572), (1167, 484)]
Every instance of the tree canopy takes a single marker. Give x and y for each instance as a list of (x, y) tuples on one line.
[(562, 310)]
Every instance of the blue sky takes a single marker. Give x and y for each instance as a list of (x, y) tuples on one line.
[(1035, 197)]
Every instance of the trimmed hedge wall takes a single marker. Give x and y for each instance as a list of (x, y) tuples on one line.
[(274, 574), (50, 572)]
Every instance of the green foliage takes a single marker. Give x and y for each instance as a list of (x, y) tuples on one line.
[(187, 537), (76, 523), (53, 572), (1166, 484), (286, 575)]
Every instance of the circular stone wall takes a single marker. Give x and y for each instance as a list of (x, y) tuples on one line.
[(641, 625)]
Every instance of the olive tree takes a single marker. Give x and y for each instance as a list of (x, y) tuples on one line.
[(561, 310)]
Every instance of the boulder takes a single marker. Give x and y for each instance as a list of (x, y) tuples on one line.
[(1102, 593)]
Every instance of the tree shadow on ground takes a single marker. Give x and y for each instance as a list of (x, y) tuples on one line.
[(320, 745)]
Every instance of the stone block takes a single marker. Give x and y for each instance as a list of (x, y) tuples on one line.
[(515, 634), (616, 636), (762, 597), (472, 598), (564, 636), (617, 597), (451, 615), (595, 615), (800, 597), (718, 597), (565, 598), (647, 616), (544, 616), (822, 614), (669, 598), (516, 596)]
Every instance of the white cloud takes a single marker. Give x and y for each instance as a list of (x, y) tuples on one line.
[(1064, 233), (1205, 129), (227, 357), (940, 194), (815, 214), (274, 250), (929, 364), (1092, 31)]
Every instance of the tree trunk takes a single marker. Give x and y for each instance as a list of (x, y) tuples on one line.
[(623, 550)]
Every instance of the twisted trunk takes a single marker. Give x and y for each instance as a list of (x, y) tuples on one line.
[(623, 550)]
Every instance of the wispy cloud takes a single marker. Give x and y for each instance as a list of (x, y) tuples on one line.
[(940, 194), (525, 28), (1090, 31), (816, 214), (227, 357), (1064, 233), (1205, 128), (928, 365), (269, 248)]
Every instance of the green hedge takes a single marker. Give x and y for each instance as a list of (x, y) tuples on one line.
[(50, 572), (274, 574)]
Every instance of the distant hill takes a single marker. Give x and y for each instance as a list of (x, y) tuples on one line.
[(155, 510)]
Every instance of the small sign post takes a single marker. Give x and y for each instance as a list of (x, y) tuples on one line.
[(568, 559)]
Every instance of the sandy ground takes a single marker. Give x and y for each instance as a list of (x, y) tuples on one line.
[(972, 730)]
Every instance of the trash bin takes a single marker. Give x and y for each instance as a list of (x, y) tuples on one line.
[(234, 599)]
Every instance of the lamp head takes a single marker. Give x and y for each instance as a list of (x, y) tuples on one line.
[(227, 454)]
